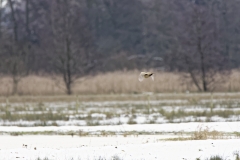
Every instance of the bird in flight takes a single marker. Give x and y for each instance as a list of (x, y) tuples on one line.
[(143, 75)]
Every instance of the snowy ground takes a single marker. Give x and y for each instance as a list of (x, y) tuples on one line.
[(130, 147), (126, 148), (151, 128), (119, 112), (128, 130)]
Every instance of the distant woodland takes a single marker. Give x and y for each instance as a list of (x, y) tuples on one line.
[(75, 38)]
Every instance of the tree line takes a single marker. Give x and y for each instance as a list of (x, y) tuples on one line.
[(74, 38)]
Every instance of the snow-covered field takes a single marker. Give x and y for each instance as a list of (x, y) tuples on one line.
[(119, 112), (126, 148), (151, 128), (162, 144), (160, 129)]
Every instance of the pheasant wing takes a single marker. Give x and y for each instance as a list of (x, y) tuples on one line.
[(141, 77), (152, 77)]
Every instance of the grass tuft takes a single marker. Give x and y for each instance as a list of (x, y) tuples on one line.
[(205, 133), (237, 154), (216, 158)]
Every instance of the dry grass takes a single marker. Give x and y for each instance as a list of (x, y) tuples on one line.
[(127, 82), (112, 83), (201, 133), (205, 133), (31, 85)]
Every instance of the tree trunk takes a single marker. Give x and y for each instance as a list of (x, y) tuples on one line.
[(15, 86), (194, 79), (69, 88), (204, 82), (68, 76), (15, 28), (14, 79)]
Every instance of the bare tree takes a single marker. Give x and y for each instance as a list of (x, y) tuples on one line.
[(71, 41), (14, 63), (15, 49), (199, 51)]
